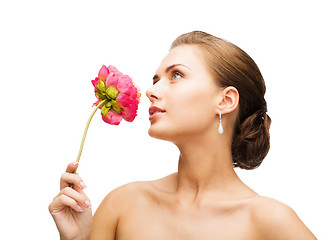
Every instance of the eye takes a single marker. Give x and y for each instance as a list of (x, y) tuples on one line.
[(176, 75), (155, 79)]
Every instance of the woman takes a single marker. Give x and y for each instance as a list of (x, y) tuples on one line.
[(208, 99)]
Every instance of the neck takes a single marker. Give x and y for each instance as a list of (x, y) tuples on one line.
[(205, 167)]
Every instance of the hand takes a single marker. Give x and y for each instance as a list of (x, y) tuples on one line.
[(71, 208)]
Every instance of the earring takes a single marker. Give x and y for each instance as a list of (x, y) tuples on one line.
[(220, 128)]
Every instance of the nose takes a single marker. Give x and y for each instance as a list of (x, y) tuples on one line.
[(152, 94)]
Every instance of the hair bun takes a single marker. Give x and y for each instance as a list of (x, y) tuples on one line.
[(251, 141)]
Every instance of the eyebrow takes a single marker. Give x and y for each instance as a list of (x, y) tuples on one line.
[(169, 68)]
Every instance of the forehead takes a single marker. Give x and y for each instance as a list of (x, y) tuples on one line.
[(188, 55)]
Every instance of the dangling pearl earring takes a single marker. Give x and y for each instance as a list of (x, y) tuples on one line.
[(220, 128)]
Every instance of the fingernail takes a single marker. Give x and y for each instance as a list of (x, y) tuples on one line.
[(75, 163), (82, 184), (79, 208), (88, 204)]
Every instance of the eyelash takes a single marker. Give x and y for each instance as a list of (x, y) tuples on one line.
[(173, 73)]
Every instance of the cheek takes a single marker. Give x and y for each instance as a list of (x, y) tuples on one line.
[(194, 108)]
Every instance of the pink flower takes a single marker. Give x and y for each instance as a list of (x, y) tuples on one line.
[(119, 95)]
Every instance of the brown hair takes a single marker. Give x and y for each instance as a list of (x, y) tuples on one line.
[(231, 66)]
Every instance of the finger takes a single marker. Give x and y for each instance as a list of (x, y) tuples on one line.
[(79, 198), (72, 193), (62, 201), (70, 178), (72, 167)]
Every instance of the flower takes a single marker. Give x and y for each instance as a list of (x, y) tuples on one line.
[(117, 97), (118, 93)]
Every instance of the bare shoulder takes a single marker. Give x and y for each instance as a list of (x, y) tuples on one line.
[(132, 193), (124, 192), (115, 204), (124, 196), (276, 220)]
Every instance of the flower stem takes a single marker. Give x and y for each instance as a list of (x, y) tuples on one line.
[(85, 132)]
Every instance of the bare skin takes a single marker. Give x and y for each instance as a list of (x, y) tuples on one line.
[(153, 210), (205, 199), (71, 208)]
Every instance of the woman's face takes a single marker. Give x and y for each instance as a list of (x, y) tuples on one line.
[(183, 96)]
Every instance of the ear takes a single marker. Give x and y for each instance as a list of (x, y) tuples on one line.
[(228, 100)]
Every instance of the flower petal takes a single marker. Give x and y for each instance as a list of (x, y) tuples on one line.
[(113, 69), (112, 80), (123, 99), (112, 118), (103, 73), (95, 82), (126, 86), (130, 111)]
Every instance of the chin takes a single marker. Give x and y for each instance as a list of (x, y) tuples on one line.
[(171, 135), (155, 133), (159, 133)]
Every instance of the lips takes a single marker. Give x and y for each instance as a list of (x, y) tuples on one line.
[(154, 111)]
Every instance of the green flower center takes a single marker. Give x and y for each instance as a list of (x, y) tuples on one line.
[(109, 95)]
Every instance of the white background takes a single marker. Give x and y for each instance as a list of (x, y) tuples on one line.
[(51, 50)]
